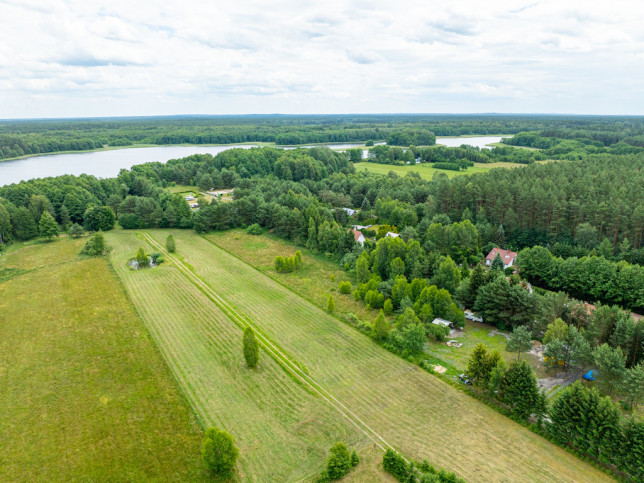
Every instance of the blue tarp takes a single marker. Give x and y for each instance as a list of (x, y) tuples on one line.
[(591, 375)]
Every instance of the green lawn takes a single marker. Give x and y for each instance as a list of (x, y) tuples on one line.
[(403, 405), (84, 393), (426, 171)]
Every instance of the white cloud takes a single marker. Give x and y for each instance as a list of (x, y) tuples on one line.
[(77, 58)]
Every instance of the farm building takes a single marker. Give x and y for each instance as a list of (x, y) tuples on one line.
[(443, 322), (507, 256)]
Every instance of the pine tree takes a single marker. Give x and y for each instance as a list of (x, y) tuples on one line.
[(476, 363), (380, 327), (520, 341), (330, 306), (48, 227), (519, 389), (339, 462), (64, 218), (76, 231), (388, 307), (298, 259), (497, 263), (251, 347), (633, 385)]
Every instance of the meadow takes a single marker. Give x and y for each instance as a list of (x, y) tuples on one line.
[(395, 403), (283, 431), (426, 171), (85, 394)]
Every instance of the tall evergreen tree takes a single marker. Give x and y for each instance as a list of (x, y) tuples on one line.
[(250, 347), (519, 390)]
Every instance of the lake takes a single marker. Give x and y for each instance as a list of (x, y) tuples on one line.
[(102, 164), (107, 164), (476, 141)]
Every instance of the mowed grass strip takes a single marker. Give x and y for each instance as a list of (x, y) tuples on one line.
[(84, 393), (415, 411), (283, 431)]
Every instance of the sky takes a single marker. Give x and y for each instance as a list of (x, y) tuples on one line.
[(135, 58)]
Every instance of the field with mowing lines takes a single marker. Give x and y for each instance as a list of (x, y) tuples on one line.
[(416, 412), (283, 430), (84, 393)]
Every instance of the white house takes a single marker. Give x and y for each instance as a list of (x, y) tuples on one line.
[(190, 198), (507, 257), (391, 234), (349, 211), (358, 236)]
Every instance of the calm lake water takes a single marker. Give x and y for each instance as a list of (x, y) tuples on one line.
[(107, 164), (478, 141), (102, 164)]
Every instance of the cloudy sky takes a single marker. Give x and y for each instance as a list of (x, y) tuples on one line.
[(93, 58)]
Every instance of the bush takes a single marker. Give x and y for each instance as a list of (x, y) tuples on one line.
[(170, 245), (345, 287), (219, 452), (76, 231), (254, 229), (288, 264), (355, 459), (339, 462), (95, 246)]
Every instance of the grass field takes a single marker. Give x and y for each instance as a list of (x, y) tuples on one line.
[(283, 430), (400, 404), (426, 171), (84, 393)]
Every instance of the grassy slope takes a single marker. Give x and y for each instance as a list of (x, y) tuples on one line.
[(283, 432), (418, 413), (84, 394)]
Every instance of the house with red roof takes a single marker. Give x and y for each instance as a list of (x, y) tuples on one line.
[(507, 257), (358, 236)]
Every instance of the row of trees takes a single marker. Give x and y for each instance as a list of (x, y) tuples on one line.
[(589, 277)]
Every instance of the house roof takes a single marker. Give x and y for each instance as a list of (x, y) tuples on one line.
[(506, 255), (443, 322), (391, 234), (356, 234)]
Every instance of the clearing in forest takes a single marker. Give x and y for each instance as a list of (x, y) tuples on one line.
[(84, 393), (414, 411)]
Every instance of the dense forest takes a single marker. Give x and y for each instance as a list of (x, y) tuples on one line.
[(19, 138)]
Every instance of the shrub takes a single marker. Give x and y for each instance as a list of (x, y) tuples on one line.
[(76, 230), (95, 246), (345, 287), (330, 306), (288, 264), (339, 462), (254, 229), (355, 459), (219, 452), (388, 307)]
